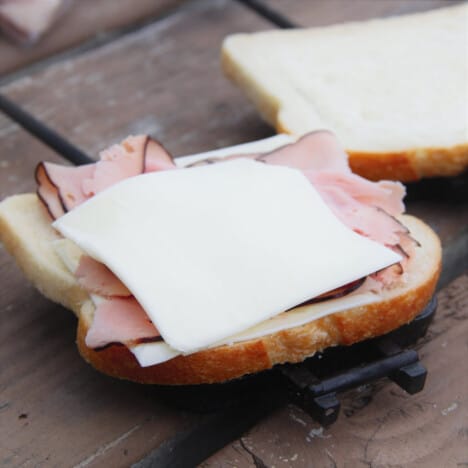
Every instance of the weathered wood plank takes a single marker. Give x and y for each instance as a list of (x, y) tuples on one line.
[(55, 409), (164, 79), (85, 20), (19, 154), (309, 13), (379, 425)]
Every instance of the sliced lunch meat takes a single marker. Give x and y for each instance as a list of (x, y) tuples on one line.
[(386, 195), (96, 278), (317, 151), (119, 320), (157, 158), (394, 204), (117, 163), (366, 220), (62, 188), (59, 187), (336, 293), (134, 156)]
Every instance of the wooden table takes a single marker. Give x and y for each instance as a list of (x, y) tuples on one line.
[(157, 71)]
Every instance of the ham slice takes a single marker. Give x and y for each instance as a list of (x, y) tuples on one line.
[(315, 151), (367, 220), (157, 158), (96, 278), (62, 188), (387, 196), (119, 320), (59, 187), (117, 163)]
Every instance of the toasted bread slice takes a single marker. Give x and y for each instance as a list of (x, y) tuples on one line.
[(26, 232), (393, 90)]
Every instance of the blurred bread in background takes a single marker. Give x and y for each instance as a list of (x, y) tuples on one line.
[(394, 90)]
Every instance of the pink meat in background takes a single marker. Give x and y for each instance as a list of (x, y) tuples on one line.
[(26, 21)]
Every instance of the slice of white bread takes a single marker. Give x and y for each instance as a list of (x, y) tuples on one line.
[(26, 232), (394, 90)]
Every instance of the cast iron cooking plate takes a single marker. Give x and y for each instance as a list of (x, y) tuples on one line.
[(313, 384)]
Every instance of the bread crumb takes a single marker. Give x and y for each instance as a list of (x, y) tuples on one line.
[(318, 433), (297, 419), (449, 409)]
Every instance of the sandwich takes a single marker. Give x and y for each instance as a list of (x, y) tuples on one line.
[(393, 90), (206, 268)]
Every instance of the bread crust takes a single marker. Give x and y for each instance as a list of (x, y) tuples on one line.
[(409, 165), (397, 307), (412, 164)]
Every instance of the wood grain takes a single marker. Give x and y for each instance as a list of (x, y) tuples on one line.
[(308, 13), (19, 154), (164, 79), (380, 425), (84, 21)]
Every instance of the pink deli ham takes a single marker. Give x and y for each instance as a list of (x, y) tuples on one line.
[(96, 278), (157, 158), (134, 156), (61, 188), (387, 196), (364, 206), (367, 220), (117, 163), (119, 320), (27, 20), (316, 151)]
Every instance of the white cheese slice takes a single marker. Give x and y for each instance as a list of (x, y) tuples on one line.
[(302, 315), (150, 354), (213, 250)]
